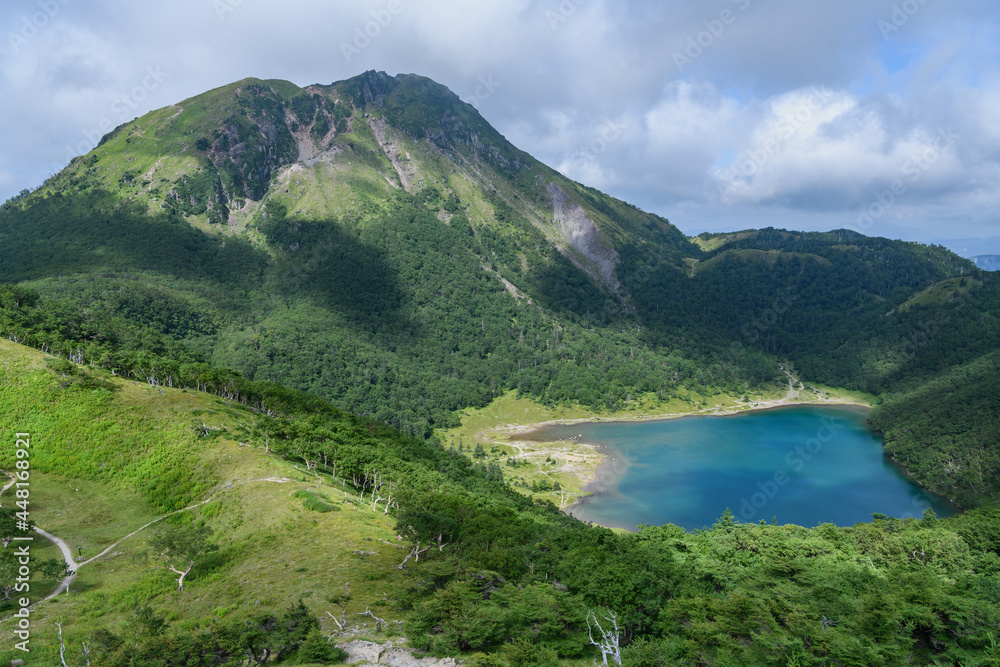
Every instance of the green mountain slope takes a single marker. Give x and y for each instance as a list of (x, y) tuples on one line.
[(110, 456), (377, 242), (396, 256)]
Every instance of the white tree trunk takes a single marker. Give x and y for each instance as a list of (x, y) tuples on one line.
[(608, 643), (180, 579), (62, 644)]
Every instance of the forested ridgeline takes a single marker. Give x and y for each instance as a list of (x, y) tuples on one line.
[(798, 295), (946, 432), (397, 318), (914, 325), (400, 317)]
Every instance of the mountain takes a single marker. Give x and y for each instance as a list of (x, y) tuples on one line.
[(373, 241), (971, 247), (987, 262), (376, 244), (344, 151)]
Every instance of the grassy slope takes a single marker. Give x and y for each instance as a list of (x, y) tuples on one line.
[(274, 551), (142, 160)]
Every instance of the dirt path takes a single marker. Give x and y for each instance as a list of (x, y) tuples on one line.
[(793, 392), (225, 487), (63, 547), (73, 566), (9, 484)]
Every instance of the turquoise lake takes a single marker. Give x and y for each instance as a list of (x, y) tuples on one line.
[(801, 465)]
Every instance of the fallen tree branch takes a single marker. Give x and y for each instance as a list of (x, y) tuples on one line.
[(379, 622), (342, 622), (394, 546)]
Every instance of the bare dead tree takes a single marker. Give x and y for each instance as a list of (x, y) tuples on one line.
[(360, 483), (389, 487), (86, 651), (341, 622), (608, 643), (62, 644), (373, 481), (379, 622), (414, 554), (191, 544), (416, 551), (180, 579)]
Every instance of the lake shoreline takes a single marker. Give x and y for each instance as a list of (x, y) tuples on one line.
[(614, 465), (609, 471), (510, 423), (529, 429)]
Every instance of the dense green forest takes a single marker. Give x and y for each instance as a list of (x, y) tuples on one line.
[(393, 317), (398, 317)]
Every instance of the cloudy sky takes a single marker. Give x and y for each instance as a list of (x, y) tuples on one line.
[(877, 115)]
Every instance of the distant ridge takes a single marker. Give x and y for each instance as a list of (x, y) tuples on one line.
[(987, 262)]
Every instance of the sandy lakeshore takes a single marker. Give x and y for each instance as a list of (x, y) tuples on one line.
[(598, 467), (511, 432)]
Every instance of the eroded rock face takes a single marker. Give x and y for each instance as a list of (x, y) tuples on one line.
[(396, 153), (584, 236), (365, 652)]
